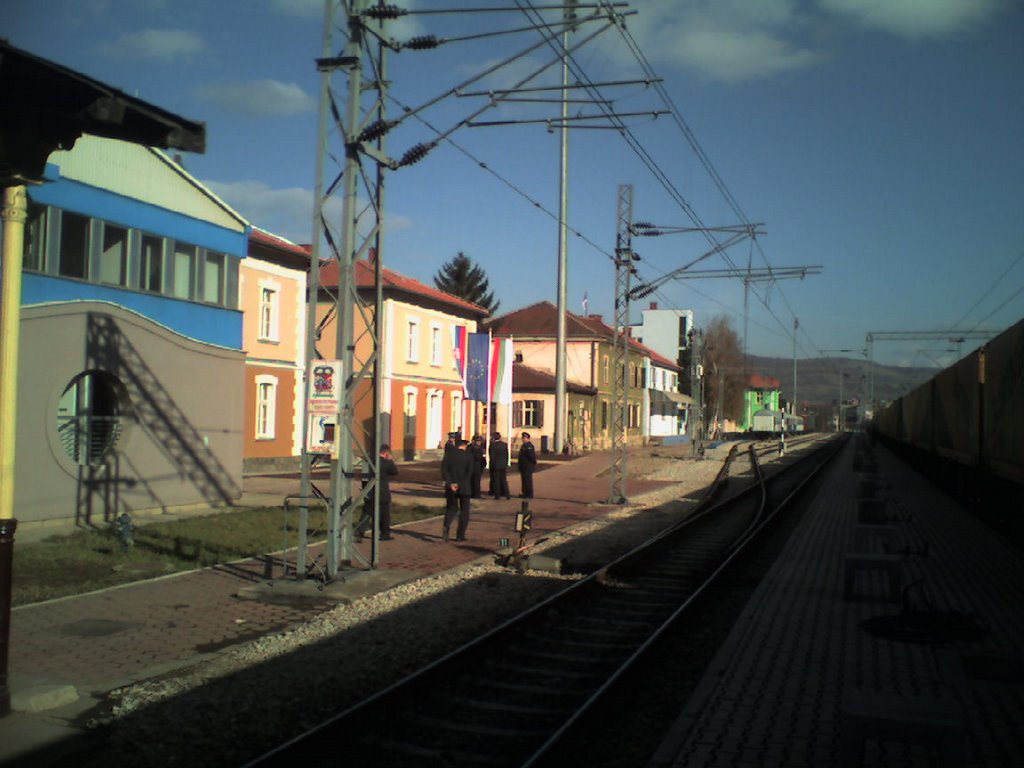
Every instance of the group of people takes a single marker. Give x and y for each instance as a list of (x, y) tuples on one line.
[(462, 468)]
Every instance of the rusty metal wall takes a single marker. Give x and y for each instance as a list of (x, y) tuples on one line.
[(1003, 425)]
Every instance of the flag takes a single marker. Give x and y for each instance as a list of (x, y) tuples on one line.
[(477, 364), (501, 371), (584, 303), (459, 339)]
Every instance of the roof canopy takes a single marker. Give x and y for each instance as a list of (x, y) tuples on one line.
[(44, 106)]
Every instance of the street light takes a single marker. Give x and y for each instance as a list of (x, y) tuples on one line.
[(863, 352)]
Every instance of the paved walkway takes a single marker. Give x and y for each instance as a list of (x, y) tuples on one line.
[(798, 665), (66, 652)]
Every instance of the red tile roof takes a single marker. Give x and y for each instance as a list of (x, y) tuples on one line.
[(393, 281), (540, 321), (258, 235), (759, 381)]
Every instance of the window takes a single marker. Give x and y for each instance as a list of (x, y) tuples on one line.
[(527, 413), (412, 347), (152, 271), (456, 420), (268, 312), (409, 412), (89, 417), (435, 344), (604, 414), (213, 278), (114, 256), (604, 369), (683, 332), (184, 275), (74, 245), (266, 407), (35, 239)]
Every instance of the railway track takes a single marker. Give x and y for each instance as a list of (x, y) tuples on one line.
[(507, 698)]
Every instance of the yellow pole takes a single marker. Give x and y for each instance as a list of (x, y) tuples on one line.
[(15, 212)]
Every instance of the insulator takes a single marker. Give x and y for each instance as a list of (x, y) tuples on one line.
[(375, 130), (422, 43), (642, 225), (382, 12), (414, 155)]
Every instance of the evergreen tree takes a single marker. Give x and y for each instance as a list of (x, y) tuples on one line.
[(461, 277)]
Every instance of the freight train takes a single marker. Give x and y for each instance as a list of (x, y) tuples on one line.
[(965, 427)]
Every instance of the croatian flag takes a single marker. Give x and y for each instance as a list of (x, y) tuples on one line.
[(459, 341)]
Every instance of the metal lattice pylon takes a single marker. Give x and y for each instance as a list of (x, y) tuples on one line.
[(620, 358)]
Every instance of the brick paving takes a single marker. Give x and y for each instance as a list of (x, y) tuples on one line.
[(106, 639), (774, 695)]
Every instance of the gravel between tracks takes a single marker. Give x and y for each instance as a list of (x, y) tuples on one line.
[(253, 696)]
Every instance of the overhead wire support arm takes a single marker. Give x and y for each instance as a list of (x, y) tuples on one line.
[(558, 122), (540, 88)]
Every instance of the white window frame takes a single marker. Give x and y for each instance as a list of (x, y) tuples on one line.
[(269, 316), (409, 411), (412, 346), (266, 407), (435, 344), (455, 421)]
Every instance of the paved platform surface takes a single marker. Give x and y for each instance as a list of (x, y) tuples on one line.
[(66, 653), (782, 689)]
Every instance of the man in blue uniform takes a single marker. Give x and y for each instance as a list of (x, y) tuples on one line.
[(527, 464)]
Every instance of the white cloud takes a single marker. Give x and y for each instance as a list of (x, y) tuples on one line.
[(916, 19), (287, 212), (159, 44), (259, 97), (401, 28), (726, 40)]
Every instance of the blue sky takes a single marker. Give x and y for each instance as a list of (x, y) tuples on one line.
[(879, 139)]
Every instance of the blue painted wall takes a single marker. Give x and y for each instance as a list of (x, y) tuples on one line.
[(214, 325)]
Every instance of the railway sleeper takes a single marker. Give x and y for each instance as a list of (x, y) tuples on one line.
[(584, 646), (476, 726), (555, 673), (531, 688), (556, 653), (504, 706), (391, 751)]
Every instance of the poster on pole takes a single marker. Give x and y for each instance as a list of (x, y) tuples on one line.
[(322, 434), (325, 390)]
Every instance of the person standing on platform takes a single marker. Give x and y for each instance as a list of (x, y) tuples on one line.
[(527, 464), (476, 451), (450, 447), (498, 462), (458, 479)]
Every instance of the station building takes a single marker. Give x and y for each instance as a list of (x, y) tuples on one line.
[(131, 361)]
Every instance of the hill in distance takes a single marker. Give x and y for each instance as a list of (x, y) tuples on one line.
[(817, 379)]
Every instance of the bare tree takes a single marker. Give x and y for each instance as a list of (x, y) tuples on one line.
[(724, 378)]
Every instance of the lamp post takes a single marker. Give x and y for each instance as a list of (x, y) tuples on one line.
[(840, 426)]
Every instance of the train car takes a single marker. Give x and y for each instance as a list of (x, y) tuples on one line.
[(794, 424), (963, 428), (766, 422)]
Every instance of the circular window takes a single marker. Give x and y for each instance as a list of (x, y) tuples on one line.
[(89, 417)]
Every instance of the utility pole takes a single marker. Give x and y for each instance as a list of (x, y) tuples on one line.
[(624, 258), (563, 213), (793, 409)]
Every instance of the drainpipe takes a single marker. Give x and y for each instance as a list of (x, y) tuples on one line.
[(15, 212)]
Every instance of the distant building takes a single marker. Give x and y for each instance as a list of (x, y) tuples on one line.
[(423, 398), (762, 394), (131, 359), (272, 295), (666, 331)]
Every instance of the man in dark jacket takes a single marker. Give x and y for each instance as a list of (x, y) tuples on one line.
[(387, 471), (498, 462), (476, 451), (527, 464), (458, 478), (450, 447)]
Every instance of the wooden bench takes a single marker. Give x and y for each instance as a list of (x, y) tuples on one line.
[(891, 565), (884, 717)]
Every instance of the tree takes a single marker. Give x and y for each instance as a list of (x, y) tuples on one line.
[(723, 369), (461, 277)]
